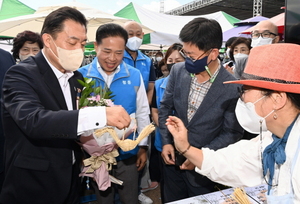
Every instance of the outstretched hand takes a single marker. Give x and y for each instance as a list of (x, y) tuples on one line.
[(175, 125), (179, 132), (194, 155)]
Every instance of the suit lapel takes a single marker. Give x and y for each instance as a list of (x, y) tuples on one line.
[(50, 80), (73, 90), (74, 86), (185, 95)]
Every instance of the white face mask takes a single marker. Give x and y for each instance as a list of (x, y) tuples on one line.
[(24, 57), (261, 41), (158, 59), (134, 43), (248, 118), (239, 56), (70, 60)]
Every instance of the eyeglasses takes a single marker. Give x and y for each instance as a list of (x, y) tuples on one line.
[(264, 35), (185, 55), (242, 90)]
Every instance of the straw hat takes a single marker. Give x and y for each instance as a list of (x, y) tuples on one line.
[(275, 67)]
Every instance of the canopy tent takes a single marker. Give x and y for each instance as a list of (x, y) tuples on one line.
[(34, 22), (167, 27), (277, 20), (236, 32), (6, 46), (13, 8), (251, 21), (153, 47), (241, 26)]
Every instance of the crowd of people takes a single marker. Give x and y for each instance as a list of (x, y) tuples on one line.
[(231, 121)]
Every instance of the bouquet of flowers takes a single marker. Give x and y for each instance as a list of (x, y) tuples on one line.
[(94, 96), (102, 147)]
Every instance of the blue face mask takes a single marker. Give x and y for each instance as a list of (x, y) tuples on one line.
[(197, 66)]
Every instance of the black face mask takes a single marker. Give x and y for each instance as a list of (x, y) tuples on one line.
[(169, 66)]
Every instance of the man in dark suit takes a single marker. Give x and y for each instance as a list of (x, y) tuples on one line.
[(6, 61), (41, 123), (196, 94)]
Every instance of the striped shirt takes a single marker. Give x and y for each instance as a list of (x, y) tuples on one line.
[(197, 93)]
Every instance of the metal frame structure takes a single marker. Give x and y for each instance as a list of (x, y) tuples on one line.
[(241, 9), (191, 6), (257, 8), (162, 6)]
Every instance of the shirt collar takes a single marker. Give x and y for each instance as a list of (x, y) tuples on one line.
[(102, 72), (57, 73)]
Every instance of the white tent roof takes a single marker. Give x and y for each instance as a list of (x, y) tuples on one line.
[(167, 27), (34, 22)]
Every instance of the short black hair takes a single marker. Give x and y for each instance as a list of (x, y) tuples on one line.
[(230, 41), (203, 33), (54, 22), (23, 37), (159, 53), (110, 30)]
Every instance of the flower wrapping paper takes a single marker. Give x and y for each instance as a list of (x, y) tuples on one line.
[(103, 151)]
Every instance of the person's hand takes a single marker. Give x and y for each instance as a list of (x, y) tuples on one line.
[(168, 154), (141, 158), (187, 165), (229, 69), (118, 117), (179, 132)]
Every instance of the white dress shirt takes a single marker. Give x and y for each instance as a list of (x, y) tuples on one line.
[(89, 118)]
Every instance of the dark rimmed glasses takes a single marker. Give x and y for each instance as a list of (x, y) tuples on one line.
[(243, 89), (264, 35), (185, 55)]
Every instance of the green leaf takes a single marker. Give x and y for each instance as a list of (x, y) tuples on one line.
[(97, 90), (81, 82), (85, 102), (91, 90), (92, 83), (88, 80)]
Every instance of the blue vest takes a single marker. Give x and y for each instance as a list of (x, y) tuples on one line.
[(142, 63), (124, 87), (160, 87)]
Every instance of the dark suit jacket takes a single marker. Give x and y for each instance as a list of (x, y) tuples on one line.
[(214, 125), (6, 61), (40, 134)]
